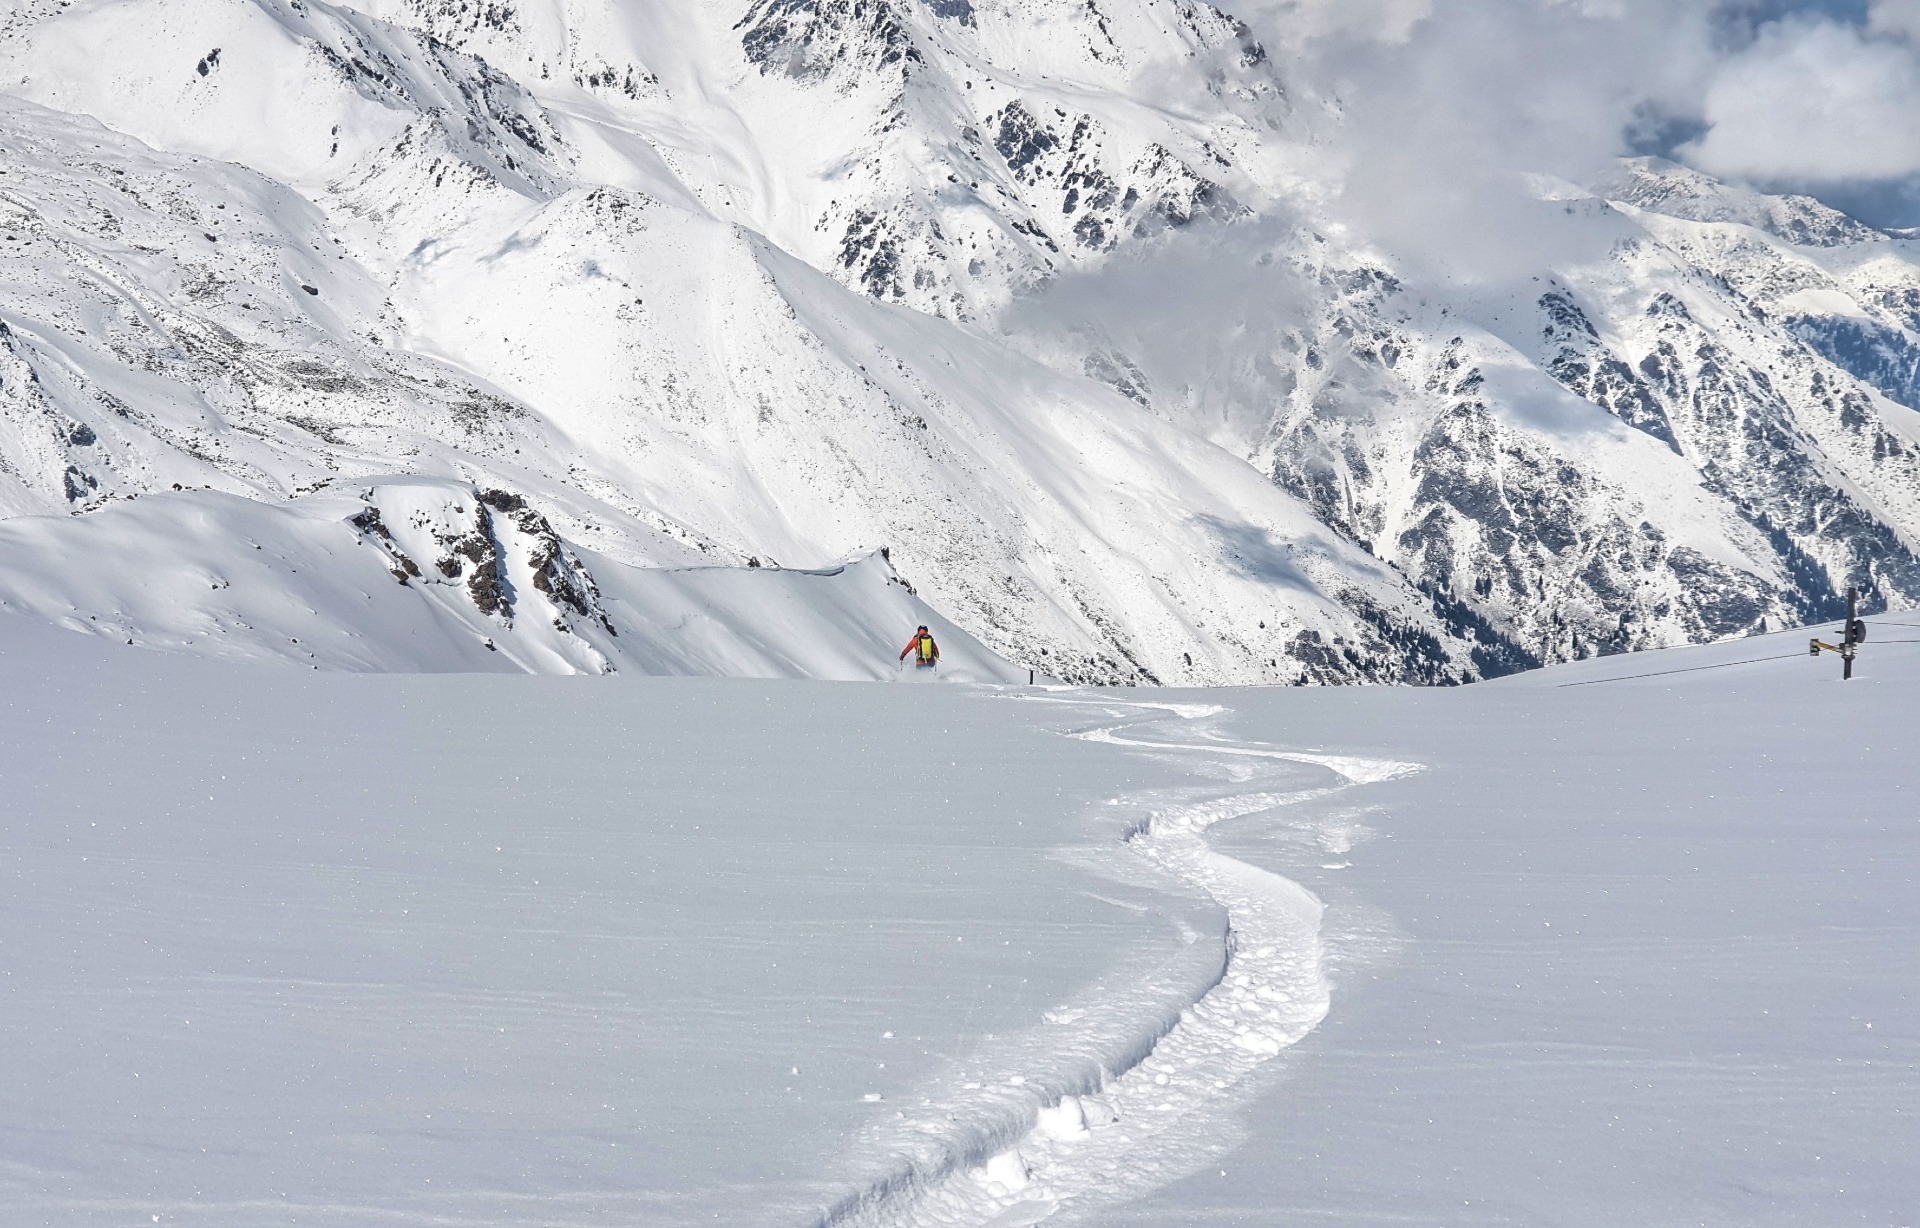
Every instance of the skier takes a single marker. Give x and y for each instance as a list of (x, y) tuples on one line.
[(927, 653)]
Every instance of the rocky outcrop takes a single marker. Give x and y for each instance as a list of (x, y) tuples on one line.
[(491, 544)]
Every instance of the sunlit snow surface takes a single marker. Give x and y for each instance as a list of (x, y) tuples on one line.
[(1075, 310), (291, 947)]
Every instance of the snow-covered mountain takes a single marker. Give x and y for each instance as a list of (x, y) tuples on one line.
[(1054, 303)]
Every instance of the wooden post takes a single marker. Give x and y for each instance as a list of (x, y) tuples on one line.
[(1848, 644)]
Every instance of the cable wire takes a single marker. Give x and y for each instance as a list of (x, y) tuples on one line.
[(1694, 669)]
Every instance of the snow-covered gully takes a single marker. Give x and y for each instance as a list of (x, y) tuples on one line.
[(1158, 1106)]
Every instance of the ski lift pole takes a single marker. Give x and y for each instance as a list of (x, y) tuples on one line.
[(1855, 633), (1849, 645)]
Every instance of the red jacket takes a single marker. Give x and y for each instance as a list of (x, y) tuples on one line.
[(930, 653)]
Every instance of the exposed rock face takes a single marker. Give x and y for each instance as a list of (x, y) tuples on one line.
[(1883, 355), (557, 571), (969, 185), (1778, 391), (368, 521), (811, 39), (493, 547), (1588, 368), (489, 587)]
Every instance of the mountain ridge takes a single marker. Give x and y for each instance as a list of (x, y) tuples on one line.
[(1129, 395)]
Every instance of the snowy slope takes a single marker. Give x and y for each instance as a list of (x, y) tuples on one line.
[(1627, 952), (1055, 303), (417, 575), (1678, 431), (685, 387), (516, 950), (348, 949)]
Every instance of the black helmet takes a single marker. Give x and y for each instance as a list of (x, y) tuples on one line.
[(923, 626)]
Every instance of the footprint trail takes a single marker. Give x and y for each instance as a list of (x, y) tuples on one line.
[(1156, 1119)]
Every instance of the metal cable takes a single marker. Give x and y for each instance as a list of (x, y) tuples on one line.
[(1694, 669)]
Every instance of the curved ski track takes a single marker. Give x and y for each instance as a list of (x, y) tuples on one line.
[(1149, 1121)]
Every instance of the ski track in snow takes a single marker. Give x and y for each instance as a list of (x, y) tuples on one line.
[(1150, 1122)]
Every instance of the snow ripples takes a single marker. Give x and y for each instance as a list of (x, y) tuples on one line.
[(1158, 1119)]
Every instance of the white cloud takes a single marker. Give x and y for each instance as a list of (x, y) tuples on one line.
[(1444, 116), (1445, 106), (1389, 21), (1818, 102), (1896, 18)]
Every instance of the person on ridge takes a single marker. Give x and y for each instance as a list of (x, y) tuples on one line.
[(927, 653)]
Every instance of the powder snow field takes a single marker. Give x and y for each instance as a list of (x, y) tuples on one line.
[(284, 946), (1635, 952), (292, 946)]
